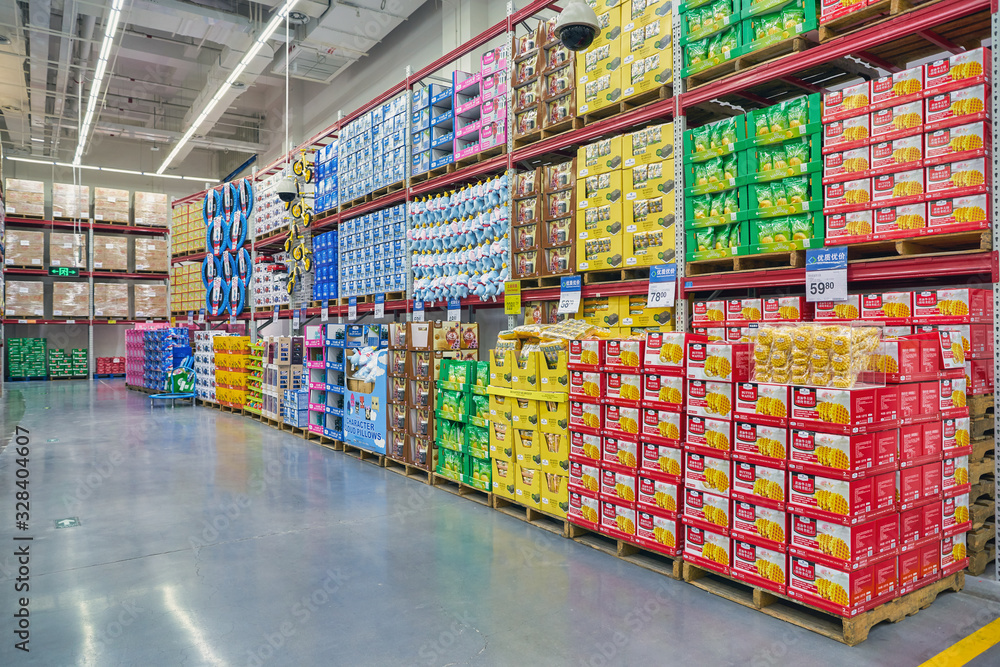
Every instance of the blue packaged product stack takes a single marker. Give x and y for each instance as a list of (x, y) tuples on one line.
[(373, 253), (325, 252), (325, 174), (295, 408)]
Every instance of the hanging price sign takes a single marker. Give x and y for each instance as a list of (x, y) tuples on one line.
[(325, 313), (826, 274), (662, 286), (454, 310), (201, 316), (352, 308), (418, 311), (190, 317), (569, 295), (512, 297), (296, 318), (379, 306)]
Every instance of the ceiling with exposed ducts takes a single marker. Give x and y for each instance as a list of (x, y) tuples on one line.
[(167, 61)]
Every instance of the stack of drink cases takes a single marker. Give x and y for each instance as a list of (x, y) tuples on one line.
[(842, 486)]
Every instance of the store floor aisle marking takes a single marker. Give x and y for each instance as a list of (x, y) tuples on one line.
[(966, 649)]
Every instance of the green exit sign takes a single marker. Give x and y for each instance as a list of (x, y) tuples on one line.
[(63, 271)]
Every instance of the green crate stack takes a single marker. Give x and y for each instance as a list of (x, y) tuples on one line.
[(26, 357), (754, 182), (59, 364), (463, 439), (78, 362), (716, 31)]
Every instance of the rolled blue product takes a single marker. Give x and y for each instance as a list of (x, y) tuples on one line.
[(237, 231), (218, 236), (210, 268), (237, 296), (217, 297), (229, 199), (244, 265), (211, 206), (228, 262), (246, 201)]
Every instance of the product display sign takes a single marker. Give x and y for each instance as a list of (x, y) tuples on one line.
[(662, 286), (512, 297), (201, 316), (418, 311), (364, 414), (352, 308), (379, 306), (454, 310), (826, 274), (569, 295), (324, 312)]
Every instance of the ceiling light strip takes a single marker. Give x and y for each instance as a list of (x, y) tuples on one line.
[(131, 172), (110, 26), (248, 57)]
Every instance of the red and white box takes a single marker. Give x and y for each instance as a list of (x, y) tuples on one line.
[(585, 446), (898, 154), (710, 474), (899, 220), (620, 454), (961, 177), (957, 107), (902, 120), (843, 593), (586, 354), (663, 391), (848, 225), (584, 477), (583, 508), (836, 311), (955, 436), (849, 101), (744, 310), (622, 420), (846, 502), (586, 384), (955, 476), (759, 443), (762, 403), (661, 426), (951, 143), (918, 485), (977, 339), (952, 395), (919, 444), (709, 312), (900, 187), (844, 547), (622, 388), (706, 549), (727, 362), (835, 410), (659, 533), (617, 520), (658, 495), (919, 566), (787, 309), (755, 483), (846, 195), (586, 416), (979, 375), (840, 456), (709, 436), (887, 305), (847, 133), (954, 554), (955, 517), (958, 71), (760, 524), (661, 462), (759, 566), (618, 487), (710, 399), (624, 355), (952, 306), (898, 87), (971, 212), (666, 352), (917, 401), (847, 165), (919, 525), (707, 510), (744, 333)]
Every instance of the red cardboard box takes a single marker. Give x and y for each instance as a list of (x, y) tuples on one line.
[(847, 165), (945, 214), (762, 403), (977, 339), (659, 533), (709, 436), (706, 549), (964, 177), (844, 547), (979, 376), (726, 362), (920, 525), (919, 567), (759, 566), (843, 593), (709, 399), (707, 510), (845, 196), (584, 509), (665, 352), (850, 101), (660, 426), (902, 187), (586, 384), (835, 410), (848, 227), (841, 456), (835, 311), (882, 306), (919, 444), (955, 476), (847, 502), (897, 88), (586, 416), (955, 517), (712, 311), (710, 474), (954, 554), (622, 388), (744, 310), (622, 420), (586, 354), (787, 309), (759, 443), (585, 447), (753, 522), (895, 220), (919, 485), (958, 71), (617, 520), (618, 487), (956, 107), (620, 454), (661, 461), (956, 143), (955, 436), (663, 391), (624, 355), (754, 483), (584, 478), (901, 120), (657, 495)]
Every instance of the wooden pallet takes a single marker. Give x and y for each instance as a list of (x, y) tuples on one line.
[(932, 245), (877, 12), (543, 281), (850, 631), (567, 125), (978, 560), (615, 275), (528, 138), (746, 61), (979, 469), (976, 540), (363, 454), (981, 428), (491, 152), (648, 97), (655, 561), (462, 490), (295, 430), (980, 448), (982, 511), (980, 405), (430, 174), (794, 259), (112, 222), (536, 517), (984, 489)]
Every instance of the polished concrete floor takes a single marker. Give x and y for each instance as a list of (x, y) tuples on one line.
[(209, 539)]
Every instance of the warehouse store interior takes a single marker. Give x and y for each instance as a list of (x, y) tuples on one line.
[(405, 332)]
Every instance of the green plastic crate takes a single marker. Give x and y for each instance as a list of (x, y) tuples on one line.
[(816, 240), (813, 165), (690, 222), (449, 435), (728, 149), (478, 473), (450, 464), (719, 253), (476, 441), (814, 204), (710, 62), (688, 36), (764, 10), (691, 170), (813, 125)]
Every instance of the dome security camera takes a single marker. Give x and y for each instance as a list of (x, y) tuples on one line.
[(577, 26), (286, 190)]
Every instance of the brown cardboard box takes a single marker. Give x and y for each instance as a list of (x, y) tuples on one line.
[(150, 300), (152, 255), (111, 254), (68, 250), (25, 198), (70, 299), (25, 298), (111, 300), (152, 209), (24, 248), (70, 201), (111, 205)]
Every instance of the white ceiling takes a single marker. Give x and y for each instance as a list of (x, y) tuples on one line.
[(168, 60)]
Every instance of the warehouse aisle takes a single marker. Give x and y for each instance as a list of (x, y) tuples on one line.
[(209, 539)]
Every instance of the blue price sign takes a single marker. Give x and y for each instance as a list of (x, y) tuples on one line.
[(352, 308), (662, 286), (569, 295), (454, 310), (418, 311), (826, 274), (379, 306), (325, 314)]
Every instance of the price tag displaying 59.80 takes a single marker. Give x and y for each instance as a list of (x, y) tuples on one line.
[(569, 295), (826, 274)]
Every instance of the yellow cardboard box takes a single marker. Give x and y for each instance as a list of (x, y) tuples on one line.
[(637, 314), (555, 493), (597, 221), (528, 486), (599, 157), (500, 408), (649, 248), (524, 413), (553, 417), (555, 452), (645, 12), (597, 61), (650, 144), (504, 474), (602, 311), (645, 181), (556, 378), (501, 440), (599, 189), (525, 374), (501, 363), (599, 253), (528, 446), (602, 92)]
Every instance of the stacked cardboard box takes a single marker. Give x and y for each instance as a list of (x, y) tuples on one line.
[(149, 300), (187, 293), (62, 365), (326, 378), (110, 366), (25, 249), (204, 364), (187, 229), (232, 354), (70, 201), (111, 300), (111, 253), (151, 254), (25, 198), (26, 357), (69, 250), (295, 408), (545, 205), (557, 108), (325, 170), (462, 434), (372, 150), (111, 205), (152, 209), (24, 298), (71, 299)]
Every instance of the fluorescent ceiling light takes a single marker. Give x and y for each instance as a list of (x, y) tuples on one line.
[(113, 170), (248, 57), (38, 140), (110, 26)]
